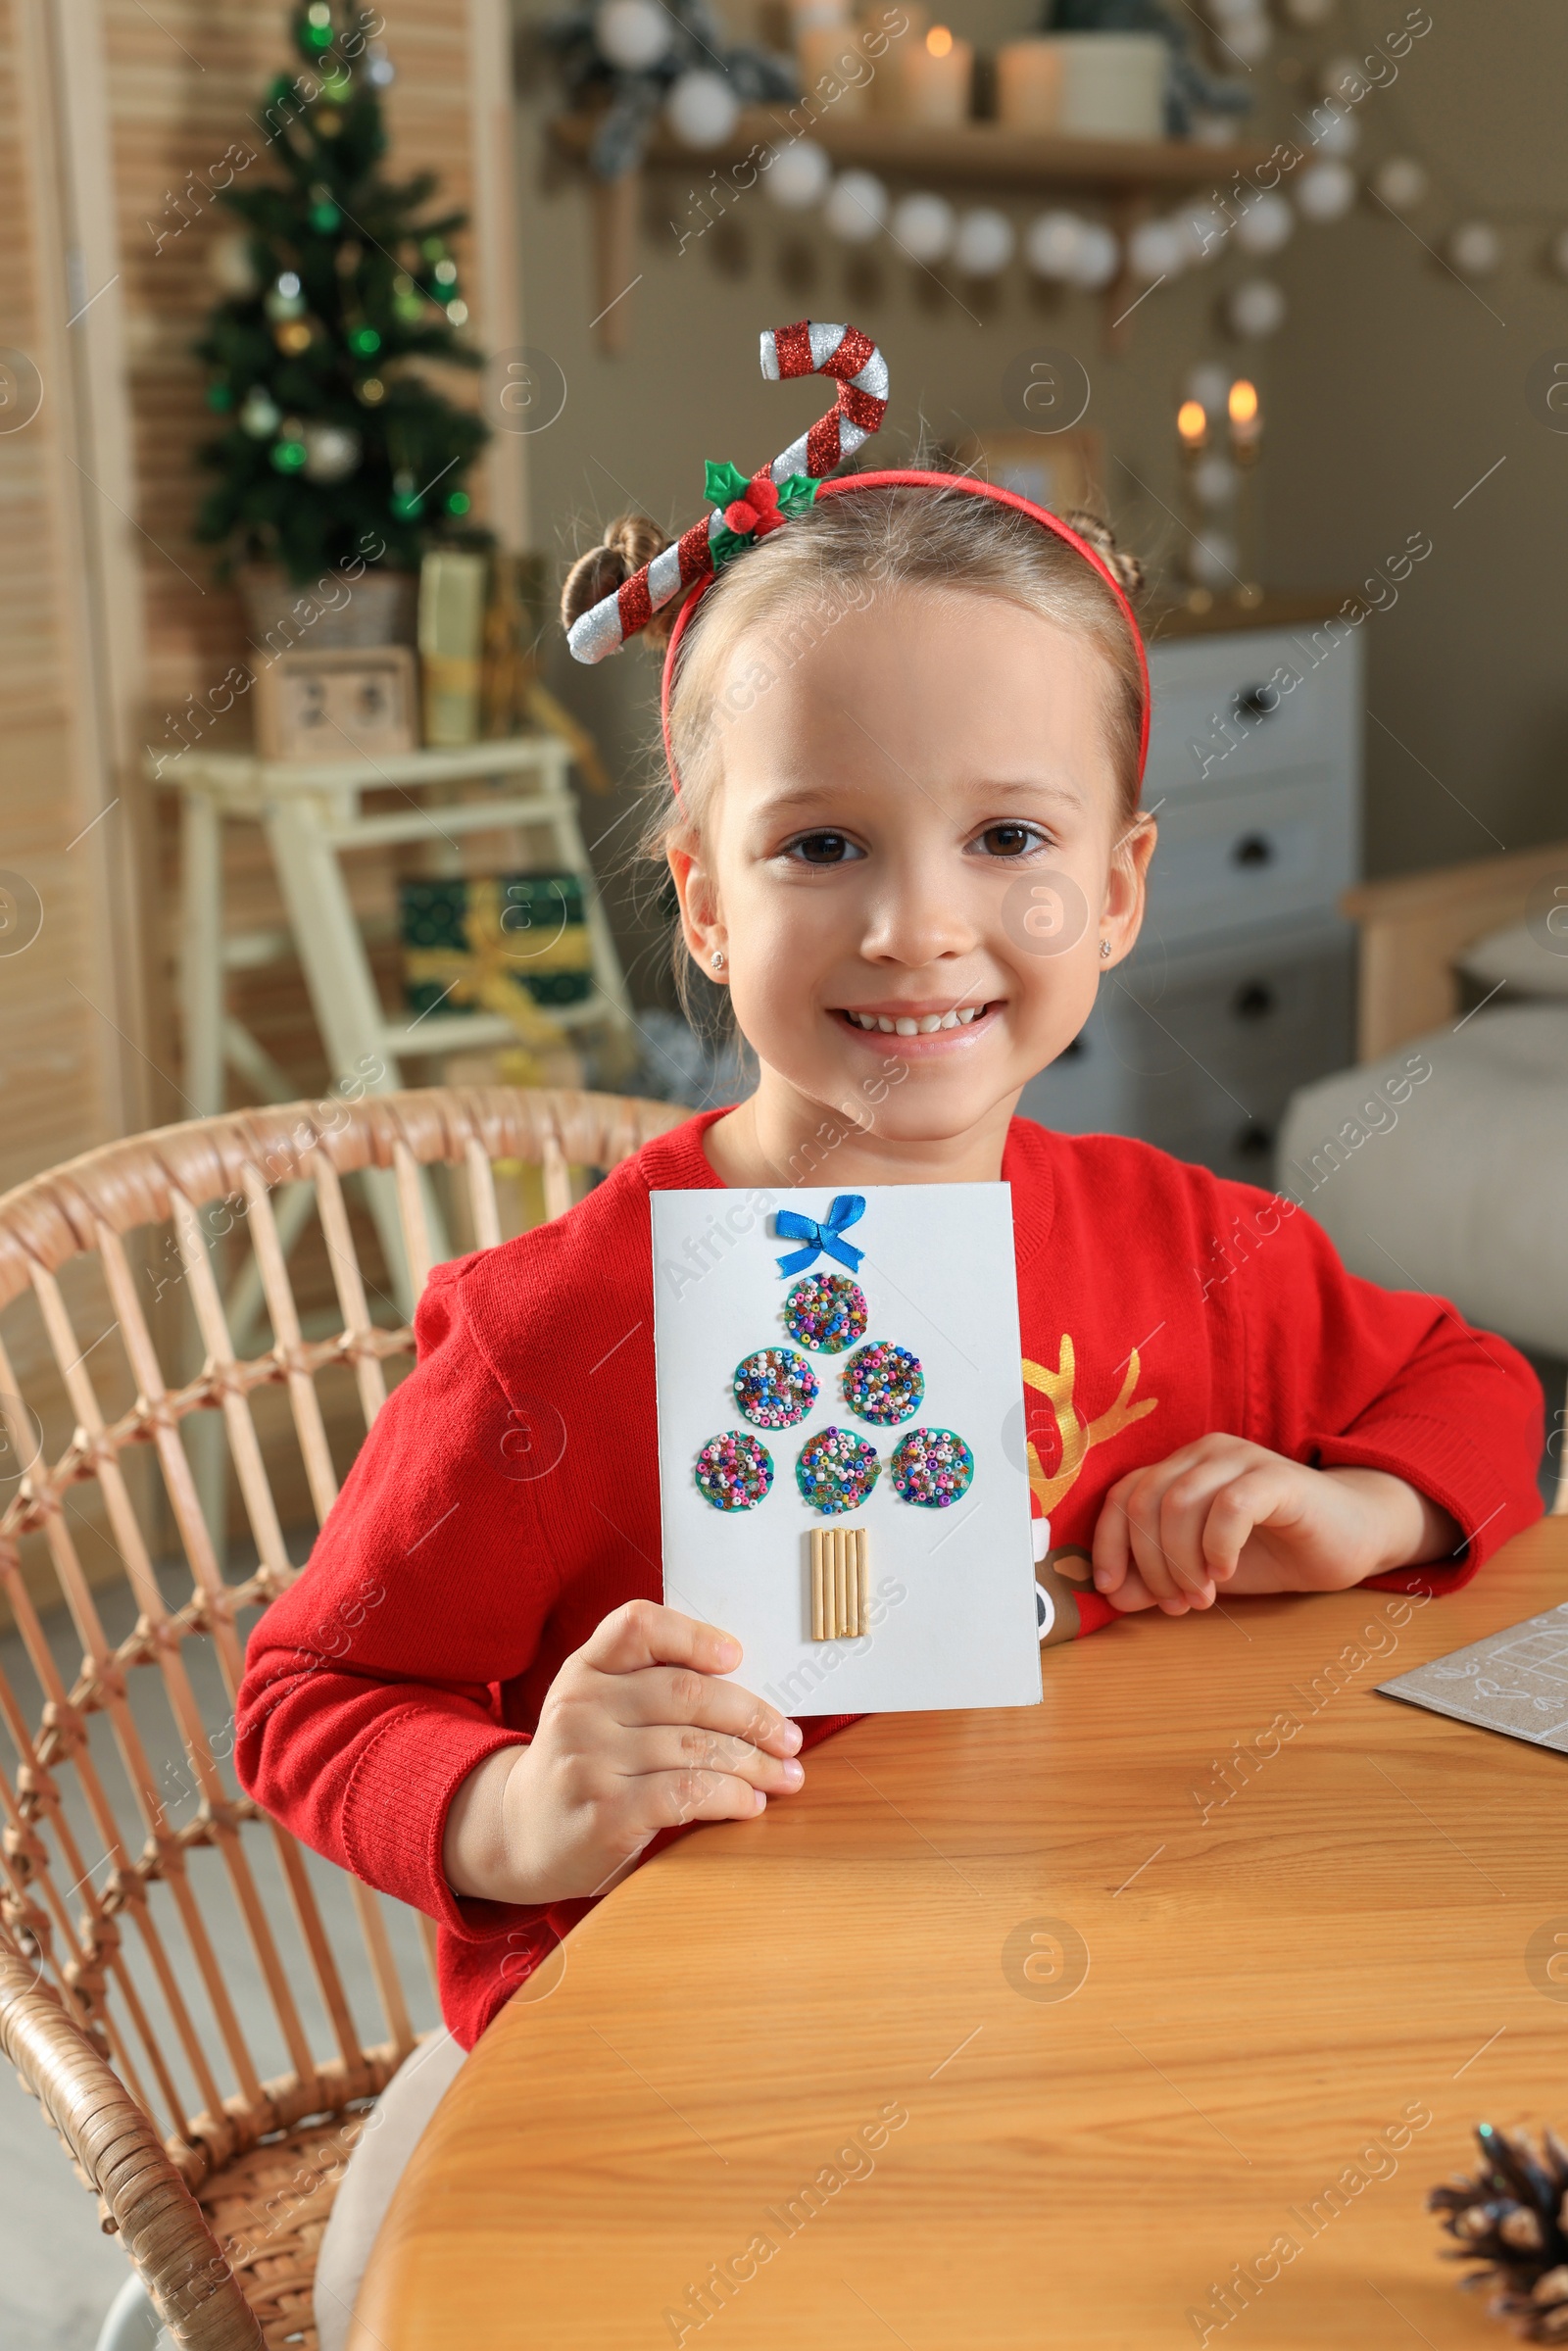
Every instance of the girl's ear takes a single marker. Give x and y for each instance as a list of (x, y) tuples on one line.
[(1126, 889), (699, 922)]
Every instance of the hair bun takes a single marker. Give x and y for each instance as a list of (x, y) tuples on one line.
[(629, 542), (1125, 569)]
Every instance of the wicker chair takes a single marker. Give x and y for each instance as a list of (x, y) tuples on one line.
[(119, 1508)]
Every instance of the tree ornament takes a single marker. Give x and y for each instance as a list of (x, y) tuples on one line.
[(458, 502), (1213, 560), (1341, 77), (407, 502), (1402, 182), (331, 451), (923, 225), (1052, 243), (457, 313), (1335, 131), (1510, 2216), (370, 390), (1099, 257), (380, 70), (1268, 223), (325, 216), (283, 299), (219, 394), (702, 109), (287, 452), (292, 337), (1325, 191), (983, 242), (1475, 249), (632, 35), (1154, 250), (1256, 310), (1249, 37), (1202, 232), (1210, 384), (797, 175), (364, 342), (857, 206), (1215, 480), (229, 259), (260, 415)]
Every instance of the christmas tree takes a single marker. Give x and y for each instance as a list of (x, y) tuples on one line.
[(334, 443)]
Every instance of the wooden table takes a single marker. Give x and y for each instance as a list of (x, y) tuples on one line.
[(1131, 2047)]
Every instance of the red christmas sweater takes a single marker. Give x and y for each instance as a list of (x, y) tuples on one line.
[(507, 1497)]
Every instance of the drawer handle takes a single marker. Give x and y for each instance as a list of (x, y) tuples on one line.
[(1252, 848), (1257, 703), (1255, 1001)]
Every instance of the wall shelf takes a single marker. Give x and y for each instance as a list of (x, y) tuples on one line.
[(1131, 173)]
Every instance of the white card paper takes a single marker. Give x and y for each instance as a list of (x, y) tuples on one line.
[(1514, 1681), (953, 1616)]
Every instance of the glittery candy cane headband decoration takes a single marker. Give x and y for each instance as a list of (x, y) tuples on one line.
[(751, 508)]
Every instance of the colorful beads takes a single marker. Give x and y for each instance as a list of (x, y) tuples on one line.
[(734, 1471), (775, 1387), (825, 1311), (836, 1470), (932, 1467), (884, 1383)]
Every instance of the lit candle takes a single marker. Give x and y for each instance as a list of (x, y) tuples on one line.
[(1246, 419), (1029, 85), (937, 78), (1192, 423)]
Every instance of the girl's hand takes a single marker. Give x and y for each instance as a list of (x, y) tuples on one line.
[(634, 1736), (1225, 1513)]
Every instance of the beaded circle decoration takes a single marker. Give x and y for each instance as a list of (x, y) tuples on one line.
[(775, 1387), (735, 1471), (836, 1470), (884, 1383), (932, 1467), (825, 1311)]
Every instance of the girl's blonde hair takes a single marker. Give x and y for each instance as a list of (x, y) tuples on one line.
[(798, 581)]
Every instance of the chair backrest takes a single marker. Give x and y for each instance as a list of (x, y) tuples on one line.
[(196, 1328)]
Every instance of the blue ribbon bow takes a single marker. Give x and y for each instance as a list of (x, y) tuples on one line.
[(822, 1239)]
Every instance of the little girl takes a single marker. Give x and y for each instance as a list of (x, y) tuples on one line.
[(904, 720)]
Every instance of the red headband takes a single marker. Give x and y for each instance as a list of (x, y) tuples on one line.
[(965, 483)]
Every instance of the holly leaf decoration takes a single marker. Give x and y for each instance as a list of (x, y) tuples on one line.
[(796, 492), (724, 483), (726, 544)]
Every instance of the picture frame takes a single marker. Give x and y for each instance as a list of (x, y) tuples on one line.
[(1058, 470), (349, 703)]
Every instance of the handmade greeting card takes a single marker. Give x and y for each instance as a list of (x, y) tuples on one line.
[(1514, 1681), (841, 1478)]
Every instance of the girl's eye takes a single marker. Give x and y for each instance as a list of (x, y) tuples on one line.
[(1011, 840), (823, 849)]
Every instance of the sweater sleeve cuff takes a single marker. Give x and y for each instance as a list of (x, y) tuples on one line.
[(1441, 1462), (395, 1814)]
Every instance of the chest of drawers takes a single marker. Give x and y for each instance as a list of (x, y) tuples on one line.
[(1240, 989)]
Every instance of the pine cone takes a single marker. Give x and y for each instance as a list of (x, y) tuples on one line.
[(1513, 2217)]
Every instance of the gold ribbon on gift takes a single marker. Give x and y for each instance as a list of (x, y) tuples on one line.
[(491, 970)]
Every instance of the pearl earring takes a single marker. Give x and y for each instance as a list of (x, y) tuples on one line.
[(1104, 948), (716, 959)]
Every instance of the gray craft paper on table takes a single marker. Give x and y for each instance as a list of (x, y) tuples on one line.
[(953, 1589), (1515, 1680)]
